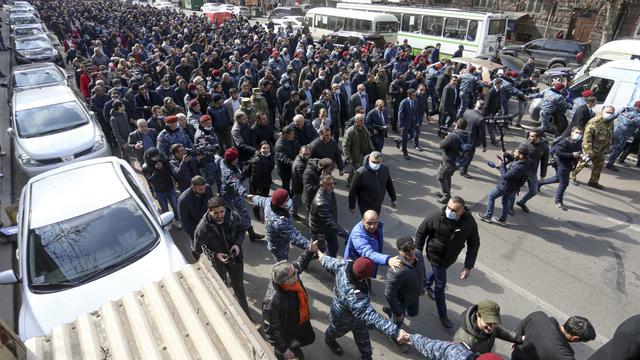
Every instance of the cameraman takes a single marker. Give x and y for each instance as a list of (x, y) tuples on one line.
[(538, 156), (183, 165), (221, 231), (450, 147)]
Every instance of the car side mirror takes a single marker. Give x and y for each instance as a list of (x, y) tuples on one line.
[(166, 218), (10, 132), (8, 277), (69, 76)]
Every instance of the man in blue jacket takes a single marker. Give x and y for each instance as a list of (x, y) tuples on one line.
[(366, 240), (407, 118)]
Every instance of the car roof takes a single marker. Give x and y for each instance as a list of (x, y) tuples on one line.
[(35, 98), (626, 65), (24, 26), (88, 185), (34, 66), (34, 37)]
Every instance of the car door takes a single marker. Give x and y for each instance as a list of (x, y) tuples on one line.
[(534, 48)]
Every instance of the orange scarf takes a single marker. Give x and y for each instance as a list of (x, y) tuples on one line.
[(303, 300)]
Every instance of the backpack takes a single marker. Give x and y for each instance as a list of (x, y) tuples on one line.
[(465, 149)]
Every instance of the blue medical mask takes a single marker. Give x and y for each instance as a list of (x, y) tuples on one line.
[(450, 214), (374, 166)]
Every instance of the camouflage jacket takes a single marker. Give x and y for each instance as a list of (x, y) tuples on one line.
[(597, 135), (280, 229)]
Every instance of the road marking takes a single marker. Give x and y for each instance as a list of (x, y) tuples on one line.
[(547, 307)]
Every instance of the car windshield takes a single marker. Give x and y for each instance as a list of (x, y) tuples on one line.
[(49, 119), (28, 31), (37, 77), (75, 251), (24, 20), (31, 44)]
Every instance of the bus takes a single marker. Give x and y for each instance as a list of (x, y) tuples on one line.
[(481, 33), (323, 21)]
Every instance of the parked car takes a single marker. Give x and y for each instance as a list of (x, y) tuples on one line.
[(31, 76), (209, 7), (163, 5), (74, 258), (296, 22), (23, 10), (26, 30), (38, 48), (281, 11), (550, 53), (241, 11), (22, 19), (50, 127)]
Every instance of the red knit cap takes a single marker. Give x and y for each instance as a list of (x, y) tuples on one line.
[(363, 268), (171, 119), (215, 73), (279, 197), (587, 93), (192, 86), (204, 118), (194, 103), (559, 86), (231, 154), (490, 356), (637, 104)]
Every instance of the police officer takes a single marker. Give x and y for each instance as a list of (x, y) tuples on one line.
[(627, 123), (597, 141), (351, 309), (553, 100)]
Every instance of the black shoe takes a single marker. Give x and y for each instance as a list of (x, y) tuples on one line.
[(406, 157), (483, 218), (418, 148), (595, 185), (522, 206), (443, 200), (333, 345), (620, 161), (256, 212), (430, 293), (444, 320), (560, 206), (466, 175), (612, 168), (254, 236), (439, 194), (397, 143), (501, 222)]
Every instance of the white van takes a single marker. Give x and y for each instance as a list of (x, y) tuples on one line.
[(614, 83), (611, 51)]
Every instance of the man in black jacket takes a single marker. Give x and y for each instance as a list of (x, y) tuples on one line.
[(287, 148), (369, 185), (323, 216), (450, 147), (285, 308), (445, 234), (477, 133), (492, 106), (545, 339), (184, 166), (582, 115), (192, 204), (157, 171), (311, 179), (538, 150), (221, 231), (326, 147), (625, 344), (403, 287), (297, 170), (289, 108), (449, 103)]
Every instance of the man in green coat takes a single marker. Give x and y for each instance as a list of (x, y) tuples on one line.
[(356, 145), (481, 326)]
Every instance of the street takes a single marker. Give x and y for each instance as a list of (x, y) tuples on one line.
[(576, 262)]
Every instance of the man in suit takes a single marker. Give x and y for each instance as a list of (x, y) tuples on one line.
[(342, 104), (449, 103), (407, 118), (583, 114), (359, 99), (476, 130), (328, 103), (492, 107), (376, 122), (232, 104), (306, 94), (345, 85), (146, 99)]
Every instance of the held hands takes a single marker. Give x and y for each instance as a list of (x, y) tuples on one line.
[(314, 247), (395, 262), (464, 273), (403, 337)]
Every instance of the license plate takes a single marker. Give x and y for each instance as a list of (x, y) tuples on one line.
[(67, 158)]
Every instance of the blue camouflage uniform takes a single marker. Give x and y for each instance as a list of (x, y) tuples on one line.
[(280, 230), (233, 192), (431, 80), (434, 349), (168, 137), (351, 309), (507, 90), (469, 84), (627, 122), (552, 101)]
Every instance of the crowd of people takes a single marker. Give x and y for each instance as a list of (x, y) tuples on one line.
[(205, 110)]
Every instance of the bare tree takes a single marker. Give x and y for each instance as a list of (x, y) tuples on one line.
[(613, 12)]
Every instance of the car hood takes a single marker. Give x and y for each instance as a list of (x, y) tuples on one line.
[(560, 71), (60, 144), (36, 52), (40, 313)]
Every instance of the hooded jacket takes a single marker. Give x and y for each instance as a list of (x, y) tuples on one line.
[(310, 182), (512, 177), (161, 180), (404, 286), (475, 338), (120, 124)]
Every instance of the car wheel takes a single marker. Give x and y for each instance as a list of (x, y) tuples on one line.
[(556, 65)]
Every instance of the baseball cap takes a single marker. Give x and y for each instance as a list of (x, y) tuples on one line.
[(489, 311)]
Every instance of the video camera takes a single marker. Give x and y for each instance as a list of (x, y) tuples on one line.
[(443, 131), (206, 147), (500, 121)]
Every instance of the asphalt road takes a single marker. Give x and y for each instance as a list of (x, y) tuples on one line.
[(580, 262)]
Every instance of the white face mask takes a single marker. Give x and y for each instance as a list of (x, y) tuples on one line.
[(321, 77), (608, 116), (288, 205), (361, 72), (450, 214), (209, 128), (374, 166), (576, 137)]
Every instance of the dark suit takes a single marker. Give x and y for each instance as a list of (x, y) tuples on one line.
[(342, 102), (152, 99), (136, 136), (376, 122), (580, 118), (356, 100), (449, 105), (491, 107), (407, 118), (477, 133)]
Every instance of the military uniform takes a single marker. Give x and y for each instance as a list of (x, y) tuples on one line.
[(233, 192), (351, 309), (597, 141), (626, 125), (259, 104), (280, 230)]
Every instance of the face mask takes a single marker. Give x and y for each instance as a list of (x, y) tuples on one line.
[(286, 85), (576, 137), (288, 205), (208, 128), (374, 166), (361, 72), (450, 214), (608, 116), (321, 77)]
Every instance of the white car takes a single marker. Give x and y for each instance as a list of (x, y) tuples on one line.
[(88, 233), (282, 24), (242, 11), (209, 7), (50, 127), (22, 19), (163, 5)]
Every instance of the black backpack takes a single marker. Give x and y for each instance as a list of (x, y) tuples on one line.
[(465, 149)]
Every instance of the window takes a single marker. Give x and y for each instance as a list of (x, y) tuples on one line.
[(596, 63), (410, 23), (473, 30), (322, 22), (386, 27), (483, 3), (358, 25), (637, 34), (432, 25), (535, 6), (496, 27), (49, 119), (535, 45), (397, 15), (455, 28), (600, 87)]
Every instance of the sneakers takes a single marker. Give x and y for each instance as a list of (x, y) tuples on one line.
[(501, 222), (443, 200), (406, 157), (444, 320), (575, 182), (481, 216), (418, 148), (333, 345), (595, 185), (522, 206), (430, 293), (560, 206)]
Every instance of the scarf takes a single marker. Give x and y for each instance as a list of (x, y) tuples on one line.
[(303, 300)]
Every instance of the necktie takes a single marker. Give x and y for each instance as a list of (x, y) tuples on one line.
[(337, 99)]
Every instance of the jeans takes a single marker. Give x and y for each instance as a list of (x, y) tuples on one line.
[(545, 120), (465, 167), (416, 131), (562, 176), (491, 202), (446, 120), (445, 172), (438, 274), (465, 101), (236, 275), (166, 198), (522, 104), (532, 183), (433, 96)]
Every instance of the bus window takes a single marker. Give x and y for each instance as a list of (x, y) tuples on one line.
[(349, 24), (308, 21), (363, 25), (331, 24), (339, 23), (473, 30), (397, 15), (432, 25), (455, 28), (410, 23), (386, 27), (497, 26)]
